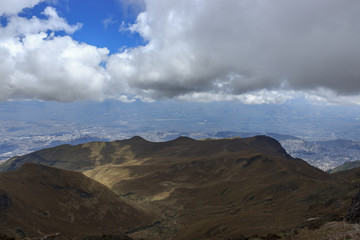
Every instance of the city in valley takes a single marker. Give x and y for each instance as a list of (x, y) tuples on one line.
[(22, 137)]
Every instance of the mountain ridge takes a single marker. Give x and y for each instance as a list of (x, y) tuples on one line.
[(83, 154), (208, 189)]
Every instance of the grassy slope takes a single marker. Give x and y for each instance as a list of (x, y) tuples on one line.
[(207, 189), (46, 200), (345, 166)]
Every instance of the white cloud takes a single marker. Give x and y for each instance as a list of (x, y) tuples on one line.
[(20, 26), (10, 7), (126, 99), (131, 7), (255, 97), (253, 51), (109, 21), (38, 64), (329, 97)]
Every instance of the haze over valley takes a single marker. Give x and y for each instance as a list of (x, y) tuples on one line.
[(313, 136)]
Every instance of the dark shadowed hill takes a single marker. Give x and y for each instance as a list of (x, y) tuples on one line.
[(37, 200), (279, 137), (208, 189)]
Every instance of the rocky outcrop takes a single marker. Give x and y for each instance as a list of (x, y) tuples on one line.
[(353, 215), (5, 202)]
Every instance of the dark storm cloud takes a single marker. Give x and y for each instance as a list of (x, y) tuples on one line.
[(240, 46)]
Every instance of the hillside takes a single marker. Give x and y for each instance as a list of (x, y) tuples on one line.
[(37, 200), (325, 155), (89, 155), (345, 166), (208, 189)]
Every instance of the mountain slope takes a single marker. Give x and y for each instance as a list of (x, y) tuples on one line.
[(87, 156), (345, 166), (321, 154), (230, 182), (209, 189), (37, 200)]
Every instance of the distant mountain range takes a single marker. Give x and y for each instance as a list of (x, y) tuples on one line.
[(322, 154), (230, 188), (277, 136)]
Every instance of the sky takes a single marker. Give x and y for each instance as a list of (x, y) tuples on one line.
[(249, 51)]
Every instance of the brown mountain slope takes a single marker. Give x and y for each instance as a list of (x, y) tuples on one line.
[(221, 198), (351, 175), (211, 189), (346, 166), (224, 188), (89, 155), (37, 200)]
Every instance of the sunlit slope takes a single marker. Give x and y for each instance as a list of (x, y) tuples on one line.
[(224, 188)]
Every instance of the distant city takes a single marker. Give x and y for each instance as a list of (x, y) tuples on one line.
[(324, 136), (322, 154)]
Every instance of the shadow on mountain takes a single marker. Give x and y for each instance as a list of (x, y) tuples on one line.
[(205, 189)]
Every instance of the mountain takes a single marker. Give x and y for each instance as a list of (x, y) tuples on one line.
[(321, 154), (277, 136), (208, 189), (36, 200), (345, 166), (87, 156)]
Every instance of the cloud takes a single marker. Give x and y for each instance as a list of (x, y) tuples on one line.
[(108, 21), (38, 64), (236, 47), (253, 51), (10, 7), (20, 26), (328, 97), (130, 8), (256, 97)]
